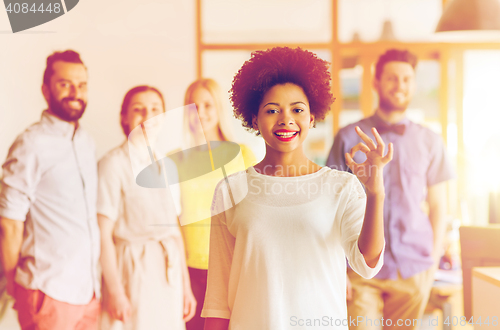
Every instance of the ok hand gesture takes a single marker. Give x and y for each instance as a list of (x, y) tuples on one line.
[(370, 172)]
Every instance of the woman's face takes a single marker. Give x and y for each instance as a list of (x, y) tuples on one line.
[(143, 106), (284, 117), (207, 113)]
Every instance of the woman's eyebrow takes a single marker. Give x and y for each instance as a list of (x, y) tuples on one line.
[(272, 103)]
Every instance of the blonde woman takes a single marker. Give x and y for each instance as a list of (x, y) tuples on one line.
[(145, 279), (214, 119)]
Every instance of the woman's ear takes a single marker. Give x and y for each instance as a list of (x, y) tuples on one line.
[(254, 123), (312, 123)]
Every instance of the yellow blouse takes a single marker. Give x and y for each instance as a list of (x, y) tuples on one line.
[(197, 232)]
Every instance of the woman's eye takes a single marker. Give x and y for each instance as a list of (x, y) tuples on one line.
[(137, 110), (272, 111), (298, 110)]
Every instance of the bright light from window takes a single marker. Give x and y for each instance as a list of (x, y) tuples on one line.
[(482, 118), (452, 139)]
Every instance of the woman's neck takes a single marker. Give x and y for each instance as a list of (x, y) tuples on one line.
[(201, 139), (286, 164), (214, 135)]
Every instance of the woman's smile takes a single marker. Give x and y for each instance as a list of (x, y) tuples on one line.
[(285, 135)]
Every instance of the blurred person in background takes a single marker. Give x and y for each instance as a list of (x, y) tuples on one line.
[(145, 280), (49, 237), (418, 172), (214, 118)]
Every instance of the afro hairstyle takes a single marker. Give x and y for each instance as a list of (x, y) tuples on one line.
[(277, 66)]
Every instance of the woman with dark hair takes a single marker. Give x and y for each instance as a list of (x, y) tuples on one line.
[(145, 279), (277, 258)]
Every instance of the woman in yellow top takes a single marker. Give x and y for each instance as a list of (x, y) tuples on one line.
[(214, 120)]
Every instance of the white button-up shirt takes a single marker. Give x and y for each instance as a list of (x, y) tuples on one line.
[(50, 183)]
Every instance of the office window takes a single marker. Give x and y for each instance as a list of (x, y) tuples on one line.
[(481, 135), (262, 21), (412, 20), (424, 107), (350, 82)]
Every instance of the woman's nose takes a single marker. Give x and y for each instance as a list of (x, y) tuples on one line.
[(148, 114), (201, 110), (286, 119)]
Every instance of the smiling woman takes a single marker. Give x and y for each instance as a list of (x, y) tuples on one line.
[(279, 254), (143, 266)]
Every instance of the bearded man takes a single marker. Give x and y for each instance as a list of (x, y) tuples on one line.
[(49, 237), (418, 172)]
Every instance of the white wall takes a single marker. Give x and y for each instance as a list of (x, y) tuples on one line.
[(123, 43)]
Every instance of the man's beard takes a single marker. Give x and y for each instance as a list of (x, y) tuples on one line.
[(62, 110), (387, 105)]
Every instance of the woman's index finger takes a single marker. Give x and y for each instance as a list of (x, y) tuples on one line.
[(366, 138), (380, 142)]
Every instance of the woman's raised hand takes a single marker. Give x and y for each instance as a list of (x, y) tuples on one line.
[(370, 172)]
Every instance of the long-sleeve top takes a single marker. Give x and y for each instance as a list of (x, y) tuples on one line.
[(278, 255)]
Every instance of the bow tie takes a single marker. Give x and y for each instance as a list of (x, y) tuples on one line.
[(397, 128)]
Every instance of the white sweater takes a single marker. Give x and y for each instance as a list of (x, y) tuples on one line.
[(277, 258)]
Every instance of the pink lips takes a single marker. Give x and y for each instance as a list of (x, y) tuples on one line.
[(287, 137)]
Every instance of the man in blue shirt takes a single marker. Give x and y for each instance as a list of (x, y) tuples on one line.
[(417, 173)]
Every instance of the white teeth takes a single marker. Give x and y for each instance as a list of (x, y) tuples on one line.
[(285, 135)]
